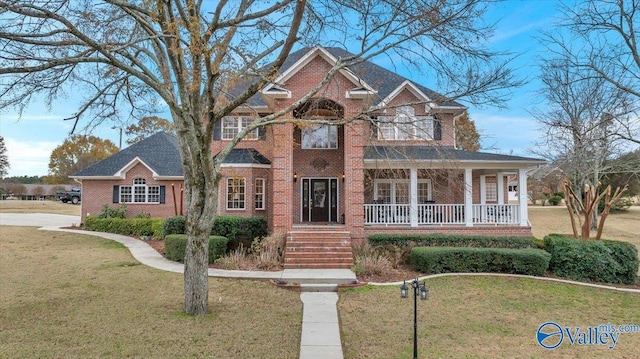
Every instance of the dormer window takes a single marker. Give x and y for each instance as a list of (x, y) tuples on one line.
[(232, 125), (405, 125)]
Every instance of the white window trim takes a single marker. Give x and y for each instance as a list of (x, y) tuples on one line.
[(145, 189), (398, 120), (244, 200), (263, 193), (238, 126)]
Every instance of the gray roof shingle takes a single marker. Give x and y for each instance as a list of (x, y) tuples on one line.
[(381, 79), (438, 153), (158, 151)]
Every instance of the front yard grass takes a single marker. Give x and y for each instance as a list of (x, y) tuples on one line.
[(482, 317), (66, 295)]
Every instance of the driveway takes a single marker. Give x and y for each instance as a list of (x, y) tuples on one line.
[(38, 219)]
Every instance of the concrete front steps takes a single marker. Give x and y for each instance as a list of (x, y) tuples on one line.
[(318, 249)]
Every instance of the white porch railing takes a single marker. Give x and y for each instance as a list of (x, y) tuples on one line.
[(496, 214), (387, 214), (441, 214)]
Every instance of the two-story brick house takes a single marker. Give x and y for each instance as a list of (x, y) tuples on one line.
[(396, 171)]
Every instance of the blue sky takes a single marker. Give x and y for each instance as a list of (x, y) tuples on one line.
[(31, 138)]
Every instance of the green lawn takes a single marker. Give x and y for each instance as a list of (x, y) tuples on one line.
[(66, 295), (482, 317)]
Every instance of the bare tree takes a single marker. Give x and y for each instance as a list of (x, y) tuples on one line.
[(577, 115), (606, 30), (203, 60)]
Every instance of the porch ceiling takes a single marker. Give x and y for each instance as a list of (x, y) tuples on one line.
[(377, 157)]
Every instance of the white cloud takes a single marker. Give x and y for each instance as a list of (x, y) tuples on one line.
[(29, 158)]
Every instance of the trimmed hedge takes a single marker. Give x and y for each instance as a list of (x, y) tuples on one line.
[(433, 260), (591, 260), (441, 240), (232, 227), (125, 226), (175, 246)]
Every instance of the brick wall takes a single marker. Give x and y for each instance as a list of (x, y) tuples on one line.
[(96, 193)]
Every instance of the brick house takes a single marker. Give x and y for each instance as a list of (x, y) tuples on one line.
[(398, 171)]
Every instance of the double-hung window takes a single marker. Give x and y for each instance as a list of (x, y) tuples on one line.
[(405, 125), (259, 193), (232, 125), (236, 193)]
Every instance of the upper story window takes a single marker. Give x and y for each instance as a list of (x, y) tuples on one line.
[(140, 192), (320, 137), (232, 125), (405, 125)]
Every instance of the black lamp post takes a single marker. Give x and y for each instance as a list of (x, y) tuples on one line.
[(423, 291)]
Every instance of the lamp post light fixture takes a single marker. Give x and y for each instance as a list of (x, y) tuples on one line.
[(418, 290), (120, 128)]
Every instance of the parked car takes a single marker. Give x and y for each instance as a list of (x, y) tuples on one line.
[(74, 196)]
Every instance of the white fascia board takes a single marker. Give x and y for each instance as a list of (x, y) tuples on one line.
[(304, 60), (278, 93), (432, 107), (405, 85), (122, 173)]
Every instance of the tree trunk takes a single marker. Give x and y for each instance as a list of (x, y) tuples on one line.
[(196, 266)]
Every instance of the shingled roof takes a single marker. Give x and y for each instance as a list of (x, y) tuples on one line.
[(440, 154), (381, 79), (160, 153)]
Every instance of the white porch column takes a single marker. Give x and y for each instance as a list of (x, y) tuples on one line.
[(522, 197), (483, 188), (413, 188), (500, 183), (468, 197)]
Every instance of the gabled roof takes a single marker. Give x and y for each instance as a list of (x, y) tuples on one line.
[(371, 78), (158, 152), (444, 154)]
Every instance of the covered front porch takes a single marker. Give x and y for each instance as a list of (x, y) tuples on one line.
[(433, 188)]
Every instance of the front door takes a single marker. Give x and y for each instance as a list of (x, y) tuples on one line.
[(319, 200)]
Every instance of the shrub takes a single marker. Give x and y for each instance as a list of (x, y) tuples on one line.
[(369, 261), (269, 251), (175, 246), (239, 229), (108, 212), (441, 240), (591, 260), (173, 225), (236, 259), (555, 200), (125, 226), (434, 260)]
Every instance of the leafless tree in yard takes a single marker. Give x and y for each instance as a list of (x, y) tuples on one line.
[(202, 60)]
